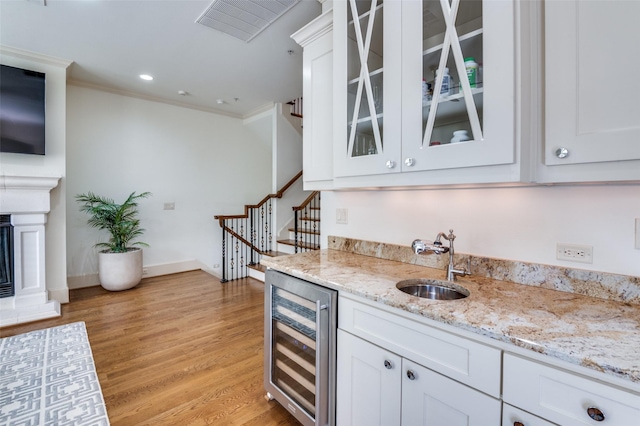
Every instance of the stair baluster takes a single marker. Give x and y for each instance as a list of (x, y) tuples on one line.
[(246, 237), (309, 237)]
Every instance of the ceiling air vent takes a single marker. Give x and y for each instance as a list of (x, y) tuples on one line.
[(244, 19)]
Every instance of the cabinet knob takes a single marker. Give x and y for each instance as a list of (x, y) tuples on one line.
[(391, 164), (387, 364), (518, 424), (409, 162), (562, 152), (595, 414), (411, 375)]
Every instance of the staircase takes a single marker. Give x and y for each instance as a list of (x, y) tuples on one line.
[(303, 236), (247, 237)]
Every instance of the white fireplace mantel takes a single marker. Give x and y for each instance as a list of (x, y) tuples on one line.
[(27, 199)]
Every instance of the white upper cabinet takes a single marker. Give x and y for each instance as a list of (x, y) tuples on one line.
[(367, 83), (425, 86), (592, 108), (317, 85), (431, 92), (473, 42)]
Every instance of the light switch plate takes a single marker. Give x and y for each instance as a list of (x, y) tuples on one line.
[(342, 216)]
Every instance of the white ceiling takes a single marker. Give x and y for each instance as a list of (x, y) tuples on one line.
[(112, 42)]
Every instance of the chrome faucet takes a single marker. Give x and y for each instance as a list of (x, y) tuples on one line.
[(420, 247)]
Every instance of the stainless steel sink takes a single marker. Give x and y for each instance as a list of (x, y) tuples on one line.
[(432, 289)]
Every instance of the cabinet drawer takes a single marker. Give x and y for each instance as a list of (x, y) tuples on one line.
[(512, 416), (466, 361), (564, 397)]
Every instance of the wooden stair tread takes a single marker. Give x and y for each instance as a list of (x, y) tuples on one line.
[(258, 267), (302, 231), (300, 244), (273, 253), (310, 219)]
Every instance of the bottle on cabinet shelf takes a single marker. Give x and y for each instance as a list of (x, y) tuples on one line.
[(460, 136), (471, 66), (447, 82), (426, 92)]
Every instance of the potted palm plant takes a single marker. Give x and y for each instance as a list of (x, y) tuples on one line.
[(120, 263)]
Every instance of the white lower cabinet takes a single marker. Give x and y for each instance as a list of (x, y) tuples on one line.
[(431, 399), (396, 368), (512, 416), (392, 370), (369, 383), (378, 387), (566, 398)]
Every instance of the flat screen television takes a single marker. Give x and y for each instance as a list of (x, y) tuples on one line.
[(22, 111)]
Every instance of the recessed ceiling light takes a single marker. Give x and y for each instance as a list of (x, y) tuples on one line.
[(146, 77)]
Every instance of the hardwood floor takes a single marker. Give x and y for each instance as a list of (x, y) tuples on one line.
[(179, 349)]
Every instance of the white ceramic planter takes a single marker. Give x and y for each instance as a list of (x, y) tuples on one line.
[(120, 271)]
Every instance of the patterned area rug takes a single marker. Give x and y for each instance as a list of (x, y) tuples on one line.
[(47, 377)]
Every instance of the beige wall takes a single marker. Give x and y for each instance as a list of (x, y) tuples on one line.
[(205, 163), (510, 223)]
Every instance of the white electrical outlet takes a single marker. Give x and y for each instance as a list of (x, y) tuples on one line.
[(574, 253), (638, 233), (342, 216)]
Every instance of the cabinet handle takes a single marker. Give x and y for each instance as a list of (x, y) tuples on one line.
[(391, 164), (387, 364), (411, 375), (595, 414), (409, 162), (562, 152)]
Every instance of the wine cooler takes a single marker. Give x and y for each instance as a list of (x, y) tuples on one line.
[(300, 347)]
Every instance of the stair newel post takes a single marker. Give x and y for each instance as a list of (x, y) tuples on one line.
[(252, 236), (223, 224), (295, 229), (262, 225), (269, 224), (242, 259), (234, 244), (315, 208), (318, 227), (307, 225)]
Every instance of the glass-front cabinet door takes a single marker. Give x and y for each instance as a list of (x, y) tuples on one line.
[(367, 61), (423, 85), (458, 84)]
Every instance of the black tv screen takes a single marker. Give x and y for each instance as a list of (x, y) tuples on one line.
[(22, 110)]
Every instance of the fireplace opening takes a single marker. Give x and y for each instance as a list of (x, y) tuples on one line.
[(7, 288)]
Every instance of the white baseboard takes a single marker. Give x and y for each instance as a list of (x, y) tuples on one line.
[(211, 272), (82, 281), (149, 271)]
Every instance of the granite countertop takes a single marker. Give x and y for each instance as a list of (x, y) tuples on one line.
[(599, 334)]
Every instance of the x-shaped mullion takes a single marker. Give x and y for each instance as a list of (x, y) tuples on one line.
[(363, 52), (452, 41)]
